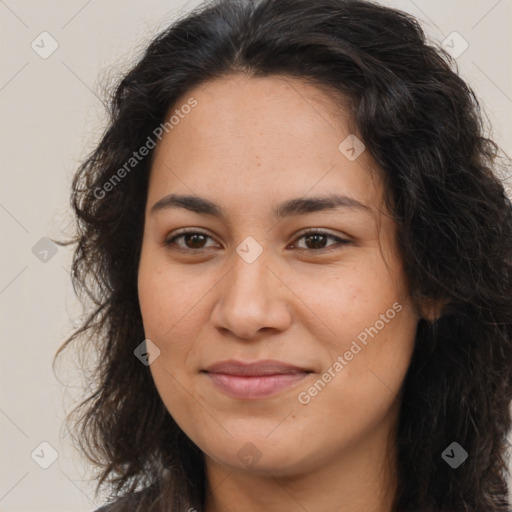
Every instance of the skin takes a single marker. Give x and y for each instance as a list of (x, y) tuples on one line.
[(249, 144)]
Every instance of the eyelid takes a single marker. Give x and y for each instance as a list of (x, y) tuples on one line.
[(320, 231), (300, 234), (185, 231), (344, 240)]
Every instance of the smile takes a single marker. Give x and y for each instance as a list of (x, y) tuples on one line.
[(254, 380)]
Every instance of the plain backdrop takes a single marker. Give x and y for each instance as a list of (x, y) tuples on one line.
[(50, 118)]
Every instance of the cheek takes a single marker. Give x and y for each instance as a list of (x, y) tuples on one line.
[(174, 309), (348, 300), (371, 325), (167, 303), (170, 298), (373, 350), (363, 387)]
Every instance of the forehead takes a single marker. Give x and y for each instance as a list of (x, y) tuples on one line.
[(261, 139)]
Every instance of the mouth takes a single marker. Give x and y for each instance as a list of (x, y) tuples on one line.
[(257, 380)]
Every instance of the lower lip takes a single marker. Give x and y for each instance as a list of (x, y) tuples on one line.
[(249, 388)]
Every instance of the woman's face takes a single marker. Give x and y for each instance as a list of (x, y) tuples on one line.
[(332, 311)]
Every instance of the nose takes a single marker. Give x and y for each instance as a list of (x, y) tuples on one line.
[(251, 298)]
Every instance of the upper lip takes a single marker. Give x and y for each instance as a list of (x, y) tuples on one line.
[(262, 367)]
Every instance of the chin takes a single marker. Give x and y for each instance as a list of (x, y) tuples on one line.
[(277, 466), (257, 454)]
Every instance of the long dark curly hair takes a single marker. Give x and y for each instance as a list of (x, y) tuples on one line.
[(423, 126)]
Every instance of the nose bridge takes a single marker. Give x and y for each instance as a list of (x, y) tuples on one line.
[(248, 301), (249, 275)]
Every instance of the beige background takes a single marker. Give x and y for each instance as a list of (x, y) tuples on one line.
[(50, 117)]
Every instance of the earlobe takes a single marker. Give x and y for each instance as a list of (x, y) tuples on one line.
[(433, 309)]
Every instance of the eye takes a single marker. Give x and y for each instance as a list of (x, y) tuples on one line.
[(195, 240), (315, 240)]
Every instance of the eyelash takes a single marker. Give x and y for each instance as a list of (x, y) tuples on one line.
[(169, 242)]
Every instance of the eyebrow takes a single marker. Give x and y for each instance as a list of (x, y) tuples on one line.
[(291, 207)]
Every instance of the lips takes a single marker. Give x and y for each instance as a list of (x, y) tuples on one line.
[(256, 380)]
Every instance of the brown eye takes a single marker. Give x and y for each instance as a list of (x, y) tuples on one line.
[(316, 240), (193, 240), (197, 240)]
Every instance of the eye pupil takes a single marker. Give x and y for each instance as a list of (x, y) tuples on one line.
[(195, 236), (317, 240)]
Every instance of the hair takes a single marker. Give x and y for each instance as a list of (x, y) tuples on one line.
[(424, 128)]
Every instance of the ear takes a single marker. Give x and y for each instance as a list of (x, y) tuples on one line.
[(433, 309)]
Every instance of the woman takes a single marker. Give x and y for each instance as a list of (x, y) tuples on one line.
[(244, 361)]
